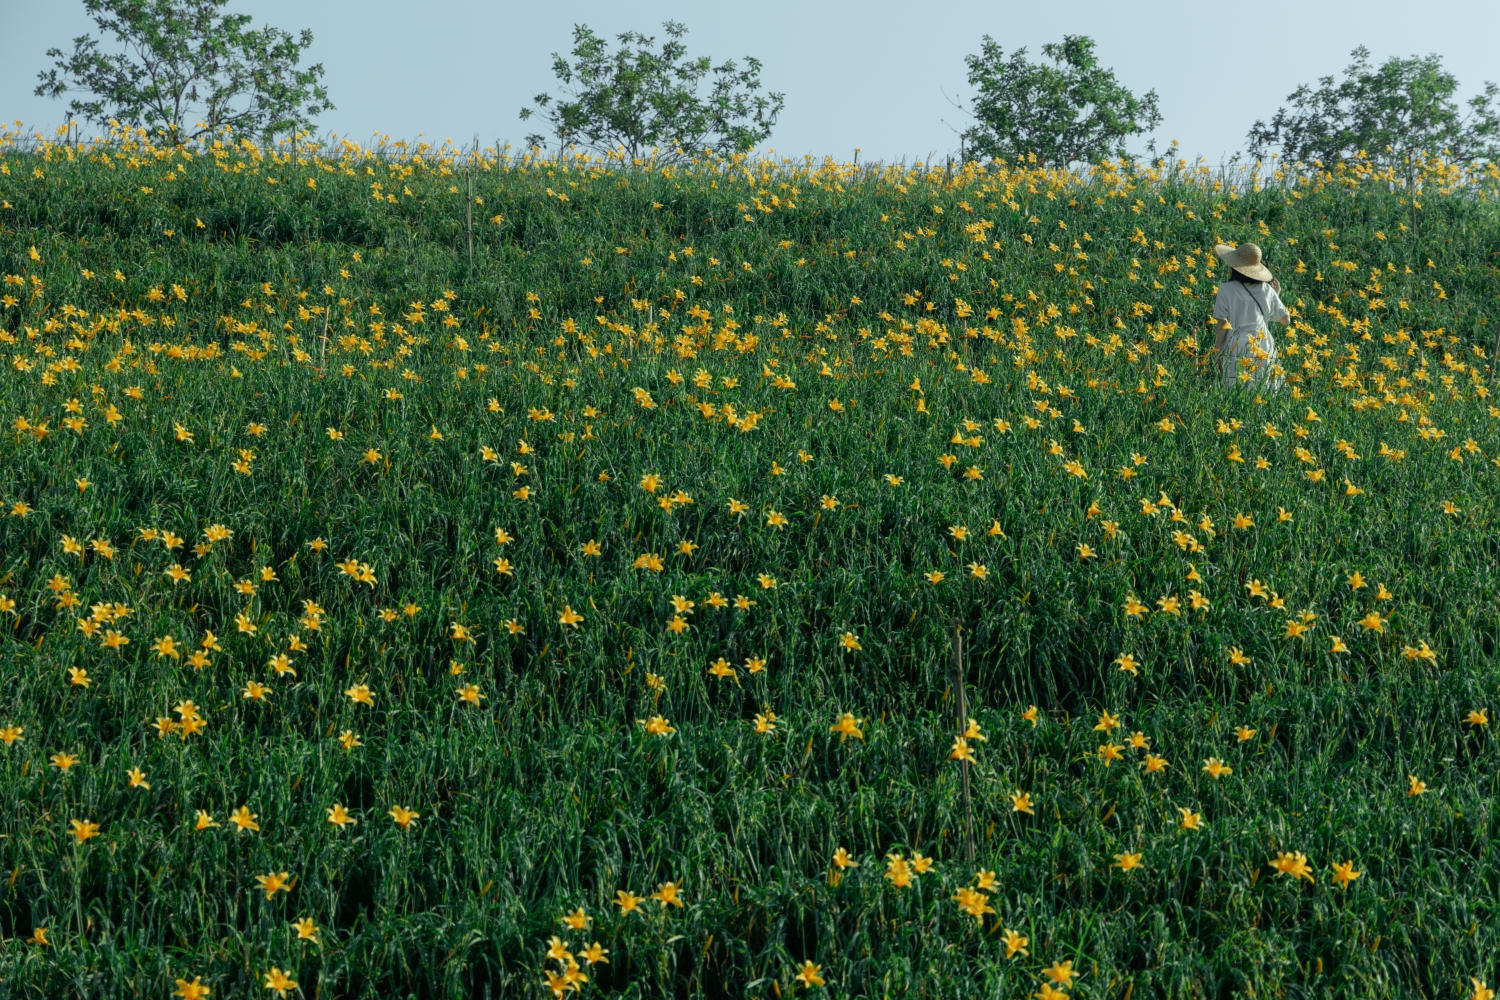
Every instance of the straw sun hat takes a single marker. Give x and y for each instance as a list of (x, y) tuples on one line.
[(1245, 259)]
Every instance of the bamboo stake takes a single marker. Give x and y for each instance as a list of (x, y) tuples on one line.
[(957, 670)]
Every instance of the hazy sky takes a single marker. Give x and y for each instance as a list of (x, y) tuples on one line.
[(875, 75)]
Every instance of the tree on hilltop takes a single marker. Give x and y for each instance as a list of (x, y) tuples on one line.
[(640, 98), (1389, 113), (1071, 111), (184, 69)]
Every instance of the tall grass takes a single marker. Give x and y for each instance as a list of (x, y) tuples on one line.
[(598, 285)]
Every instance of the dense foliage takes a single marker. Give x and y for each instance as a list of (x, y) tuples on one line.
[(640, 99), (183, 69), (1393, 114), (370, 622), (1071, 111)]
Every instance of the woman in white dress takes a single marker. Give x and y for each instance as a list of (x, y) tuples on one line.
[(1243, 305)]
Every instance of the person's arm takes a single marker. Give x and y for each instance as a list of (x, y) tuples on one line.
[(1286, 315), (1221, 332)]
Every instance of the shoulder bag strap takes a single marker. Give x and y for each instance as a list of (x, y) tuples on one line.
[(1260, 314)]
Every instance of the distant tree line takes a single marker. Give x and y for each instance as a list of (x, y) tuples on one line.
[(183, 68)]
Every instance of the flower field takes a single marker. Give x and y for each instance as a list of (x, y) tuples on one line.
[(446, 575)]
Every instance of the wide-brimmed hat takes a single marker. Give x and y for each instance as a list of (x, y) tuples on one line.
[(1245, 259)]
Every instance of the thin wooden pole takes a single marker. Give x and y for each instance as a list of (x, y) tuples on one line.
[(323, 348), (957, 670), (1495, 358), (469, 223), (1411, 191)]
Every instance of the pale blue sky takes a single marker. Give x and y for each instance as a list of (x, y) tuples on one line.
[(871, 75)]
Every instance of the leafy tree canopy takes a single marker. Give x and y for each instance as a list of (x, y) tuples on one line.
[(1390, 112), (1069, 111), (641, 98), (184, 68)]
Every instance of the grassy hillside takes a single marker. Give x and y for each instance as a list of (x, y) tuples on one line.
[(368, 611)]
